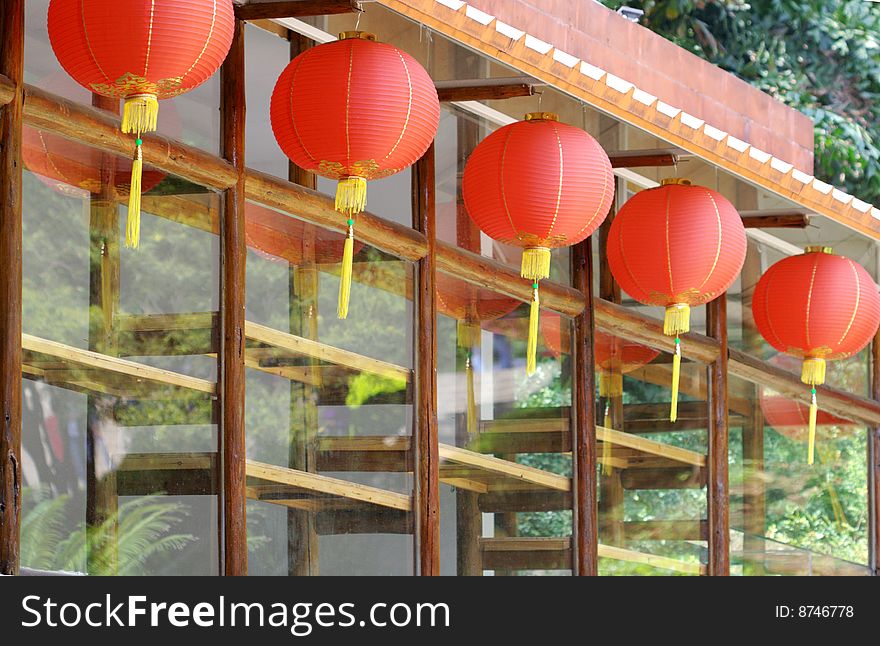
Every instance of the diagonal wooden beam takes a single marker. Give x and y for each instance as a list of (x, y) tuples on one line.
[(294, 8)]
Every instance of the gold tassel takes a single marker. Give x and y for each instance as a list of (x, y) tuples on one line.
[(468, 334), (535, 263), (813, 374), (676, 374), (610, 384), (532, 350), (351, 195), (811, 442), (677, 320), (345, 276), (813, 371), (133, 222), (471, 400), (140, 114), (606, 445)]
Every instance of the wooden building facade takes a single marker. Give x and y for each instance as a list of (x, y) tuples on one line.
[(199, 393)]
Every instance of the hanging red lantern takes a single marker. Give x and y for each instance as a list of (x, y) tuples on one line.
[(816, 307), (470, 306), (140, 51), (354, 110), (676, 246), (280, 238), (538, 184)]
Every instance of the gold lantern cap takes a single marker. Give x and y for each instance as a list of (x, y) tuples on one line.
[(541, 116), (363, 35), (818, 249), (681, 181)]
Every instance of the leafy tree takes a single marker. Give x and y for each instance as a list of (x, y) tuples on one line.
[(821, 57)]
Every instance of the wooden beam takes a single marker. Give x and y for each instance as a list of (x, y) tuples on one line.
[(874, 465), (233, 254), (718, 490), (97, 128), (318, 484), (308, 348), (661, 562), (427, 430), (788, 384), (659, 479), (516, 501), (491, 89), (586, 537), (652, 447), (294, 8), (11, 116), (504, 468), (643, 159), (775, 219)]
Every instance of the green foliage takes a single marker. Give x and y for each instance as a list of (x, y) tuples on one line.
[(121, 544), (821, 57)]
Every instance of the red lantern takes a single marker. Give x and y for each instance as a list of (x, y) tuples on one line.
[(354, 110), (278, 237), (538, 184), (816, 307), (678, 246), (140, 51)]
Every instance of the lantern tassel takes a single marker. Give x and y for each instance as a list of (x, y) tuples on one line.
[(532, 350), (535, 263), (606, 445), (676, 374), (610, 384), (351, 195), (813, 371), (811, 442), (471, 400), (133, 221), (345, 276), (140, 114), (677, 320)]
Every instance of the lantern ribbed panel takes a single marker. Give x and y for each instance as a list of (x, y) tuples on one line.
[(615, 353), (354, 107), (278, 237), (817, 305), (538, 183), (172, 45), (465, 302), (676, 244), (61, 163)]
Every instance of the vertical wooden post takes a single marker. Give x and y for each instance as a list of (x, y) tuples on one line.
[(586, 528), (874, 466), (468, 517), (428, 462), (611, 492), (754, 492), (302, 536), (12, 66), (718, 489), (101, 498), (233, 255)]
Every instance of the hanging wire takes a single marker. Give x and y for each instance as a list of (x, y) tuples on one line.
[(357, 23)]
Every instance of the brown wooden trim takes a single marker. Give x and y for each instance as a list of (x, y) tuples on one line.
[(294, 9), (758, 220), (874, 464), (12, 66), (485, 89), (7, 90), (427, 435), (586, 538), (718, 489), (642, 159), (232, 304)]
